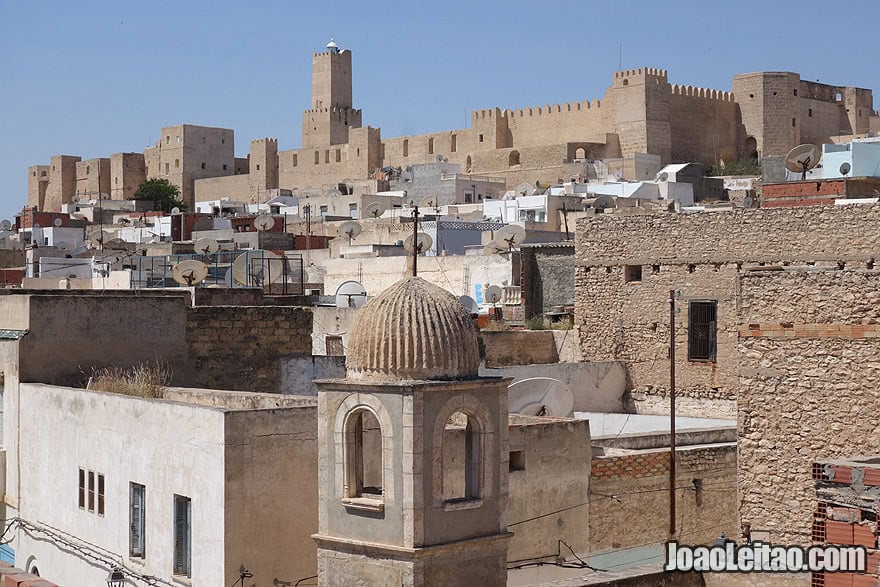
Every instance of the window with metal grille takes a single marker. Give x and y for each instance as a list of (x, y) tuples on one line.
[(136, 520), (82, 489), (334, 346), (182, 535), (702, 328)]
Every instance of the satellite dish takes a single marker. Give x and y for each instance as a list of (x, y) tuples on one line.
[(603, 202), (264, 222), (494, 247), (189, 272), (57, 222), (116, 243), (470, 304), (663, 177), (803, 158), (333, 192), (257, 268), (512, 234), (418, 243), (5, 225), (37, 226), (175, 210), (429, 202), (845, 168), (374, 209), (523, 189), (540, 396), (350, 228), (350, 294), (493, 294), (206, 246), (440, 158)]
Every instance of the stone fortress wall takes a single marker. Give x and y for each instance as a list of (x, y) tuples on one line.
[(766, 114)]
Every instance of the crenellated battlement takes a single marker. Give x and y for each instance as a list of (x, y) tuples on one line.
[(267, 141), (334, 110), (641, 71), (537, 110), (697, 92), (325, 53)]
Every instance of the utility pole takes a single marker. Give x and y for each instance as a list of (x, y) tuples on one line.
[(415, 243), (308, 211), (672, 413)]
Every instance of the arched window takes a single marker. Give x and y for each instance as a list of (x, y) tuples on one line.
[(363, 456), (751, 148), (513, 159), (581, 153), (468, 164), (88, 169), (461, 458)]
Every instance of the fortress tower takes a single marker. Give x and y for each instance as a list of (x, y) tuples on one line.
[(331, 113), (412, 450)]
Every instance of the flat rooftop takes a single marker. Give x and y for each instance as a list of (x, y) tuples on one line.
[(604, 424)]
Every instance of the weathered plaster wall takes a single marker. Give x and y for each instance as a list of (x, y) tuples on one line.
[(629, 496), (808, 388)]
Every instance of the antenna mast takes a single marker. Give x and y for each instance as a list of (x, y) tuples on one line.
[(415, 252)]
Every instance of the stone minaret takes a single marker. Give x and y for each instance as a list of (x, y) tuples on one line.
[(412, 450)]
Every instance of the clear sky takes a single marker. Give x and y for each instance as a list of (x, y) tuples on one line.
[(94, 78)]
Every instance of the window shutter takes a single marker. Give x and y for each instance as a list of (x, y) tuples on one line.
[(137, 521), (182, 518)]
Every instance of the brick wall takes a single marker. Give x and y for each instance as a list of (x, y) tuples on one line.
[(629, 497), (14, 577), (243, 347), (808, 387)]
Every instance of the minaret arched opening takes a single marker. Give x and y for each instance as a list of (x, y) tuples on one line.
[(462, 458), (364, 463)]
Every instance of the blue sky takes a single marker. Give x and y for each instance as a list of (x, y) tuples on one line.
[(99, 77)]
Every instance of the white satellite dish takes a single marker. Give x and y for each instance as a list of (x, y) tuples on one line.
[(37, 226), (116, 243), (540, 396), (333, 192), (374, 210), (189, 272), (512, 235), (57, 222), (663, 177), (470, 304), (206, 246), (803, 158), (264, 222), (5, 225), (429, 202), (257, 268), (494, 247), (845, 168), (175, 210), (523, 189), (419, 243), (603, 202), (350, 294), (493, 294), (350, 228)]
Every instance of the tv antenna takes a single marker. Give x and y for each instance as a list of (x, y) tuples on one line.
[(802, 158), (350, 294), (351, 229), (415, 243), (189, 272), (264, 222), (374, 210), (206, 246), (540, 396)]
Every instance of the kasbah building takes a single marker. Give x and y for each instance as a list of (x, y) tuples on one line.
[(765, 115)]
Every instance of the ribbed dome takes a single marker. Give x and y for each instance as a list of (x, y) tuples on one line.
[(413, 330)]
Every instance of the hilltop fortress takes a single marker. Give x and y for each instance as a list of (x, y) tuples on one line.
[(641, 113)]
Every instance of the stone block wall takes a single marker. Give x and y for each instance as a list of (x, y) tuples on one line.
[(629, 501), (698, 256), (808, 388), (238, 347)]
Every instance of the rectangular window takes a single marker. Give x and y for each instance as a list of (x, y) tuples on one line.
[(338, 155), (517, 460), (91, 491), (136, 520), (323, 211), (166, 168), (224, 167), (632, 273), (182, 535), (794, 121), (293, 158), (702, 330), (333, 346), (100, 494), (317, 157), (327, 156), (810, 113), (82, 489), (353, 211), (203, 165), (453, 143), (481, 138)]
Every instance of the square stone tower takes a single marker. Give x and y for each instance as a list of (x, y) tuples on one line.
[(413, 450), (331, 113)]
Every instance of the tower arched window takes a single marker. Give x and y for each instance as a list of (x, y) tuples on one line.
[(462, 458), (513, 159), (364, 466), (468, 164)]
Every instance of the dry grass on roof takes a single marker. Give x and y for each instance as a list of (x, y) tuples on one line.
[(142, 380)]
